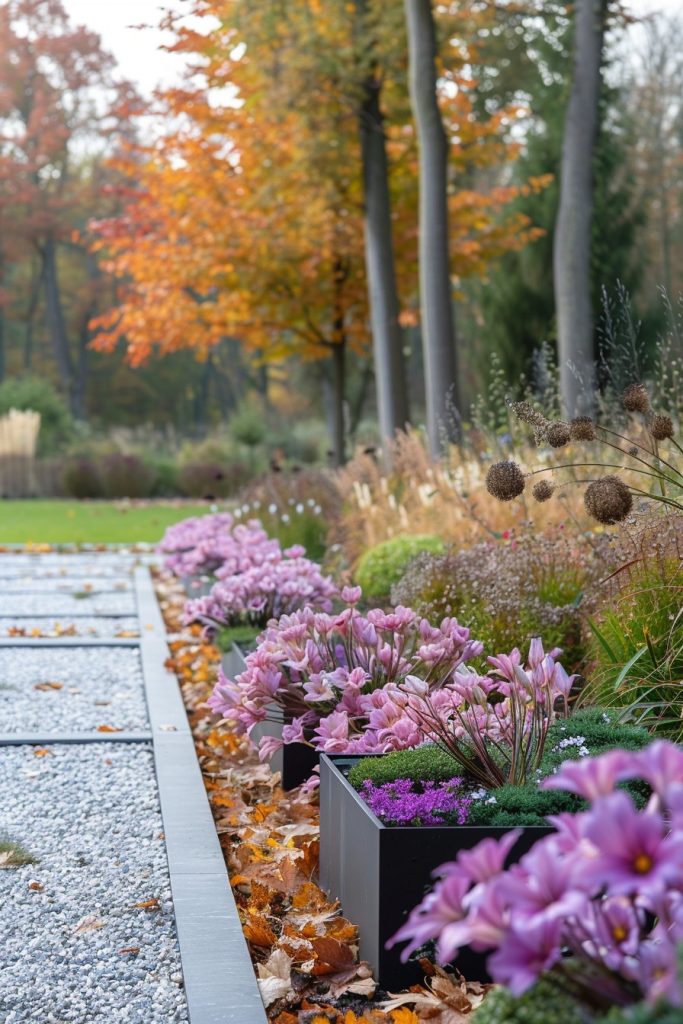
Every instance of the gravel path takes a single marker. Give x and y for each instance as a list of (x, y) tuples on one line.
[(34, 583), (65, 604), (71, 690), (74, 946), (66, 626), (47, 566)]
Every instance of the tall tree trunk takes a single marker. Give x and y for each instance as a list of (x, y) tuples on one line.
[(2, 322), (337, 402), (201, 402), (387, 336), (55, 320), (438, 324), (34, 295), (572, 242)]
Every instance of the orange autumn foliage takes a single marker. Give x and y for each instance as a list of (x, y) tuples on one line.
[(244, 218)]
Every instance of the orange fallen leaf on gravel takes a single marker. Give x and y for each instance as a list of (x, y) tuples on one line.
[(35, 886), (152, 904), (46, 687), (42, 752), (133, 950), (108, 728)]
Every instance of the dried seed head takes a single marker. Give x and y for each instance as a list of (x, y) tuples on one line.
[(635, 398), (633, 450), (505, 480), (525, 412), (608, 500), (558, 434), (661, 427), (582, 428), (543, 490)]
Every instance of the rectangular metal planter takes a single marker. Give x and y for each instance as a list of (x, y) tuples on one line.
[(294, 761), (379, 874)]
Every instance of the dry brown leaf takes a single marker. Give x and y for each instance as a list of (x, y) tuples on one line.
[(42, 752), (275, 977), (258, 932), (133, 950), (35, 886), (46, 687), (108, 728), (90, 923)]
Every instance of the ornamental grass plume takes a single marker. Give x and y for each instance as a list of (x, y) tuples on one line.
[(333, 679), (648, 473), (597, 905)]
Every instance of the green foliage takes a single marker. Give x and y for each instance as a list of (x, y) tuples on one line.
[(244, 636), (38, 394), (637, 649), (644, 1013), (545, 1003), (382, 566), (166, 471), (13, 855), (248, 425), (512, 805)]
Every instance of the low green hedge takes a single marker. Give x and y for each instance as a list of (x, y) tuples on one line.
[(383, 566)]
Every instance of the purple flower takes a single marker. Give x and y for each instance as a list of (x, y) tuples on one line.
[(526, 952), (400, 803)]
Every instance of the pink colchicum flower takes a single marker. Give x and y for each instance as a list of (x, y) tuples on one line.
[(336, 679), (276, 583), (208, 544), (602, 897)]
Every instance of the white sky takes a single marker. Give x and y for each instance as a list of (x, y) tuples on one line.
[(138, 53)]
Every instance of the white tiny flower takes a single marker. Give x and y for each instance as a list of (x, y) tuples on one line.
[(257, 504), (284, 518), (299, 508), (311, 502), (238, 513), (272, 509), (317, 510)]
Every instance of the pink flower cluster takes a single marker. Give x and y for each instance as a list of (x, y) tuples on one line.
[(495, 725), (204, 544), (599, 901), (334, 679), (276, 583)]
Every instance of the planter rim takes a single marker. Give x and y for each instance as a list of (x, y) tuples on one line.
[(334, 759)]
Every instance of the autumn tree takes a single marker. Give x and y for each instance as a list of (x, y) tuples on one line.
[(57, 101)]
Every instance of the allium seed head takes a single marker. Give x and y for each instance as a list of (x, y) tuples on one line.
[(505, 480), (582, 428), (558, 434), (608, 500), (543, 490), (661, 427), (635, 398), (525, 412)]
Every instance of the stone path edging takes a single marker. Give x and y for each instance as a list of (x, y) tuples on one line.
[(218, 974)]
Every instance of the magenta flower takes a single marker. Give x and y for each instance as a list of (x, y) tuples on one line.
[(593, 777), (526, 952)]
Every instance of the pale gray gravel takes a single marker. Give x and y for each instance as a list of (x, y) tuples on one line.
[(70, 626), (66, 604), (90, 816), (99, 686), (36, 583)]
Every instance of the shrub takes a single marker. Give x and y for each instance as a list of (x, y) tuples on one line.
[(125, 476), (382, 566), (166, 473), (81, 479), (37, 393), (248, 425), (212, 480), (511, 590), (545, 1003)]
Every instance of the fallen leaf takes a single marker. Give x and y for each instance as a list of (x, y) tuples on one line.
[(91, 923), (275, 977), (108, 728), (46, 687), (152, 904), (41, 752), (133, 950), (35, 886)]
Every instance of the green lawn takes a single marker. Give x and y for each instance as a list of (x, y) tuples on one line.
[(88, 522)]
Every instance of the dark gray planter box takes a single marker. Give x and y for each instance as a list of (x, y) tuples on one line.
[(379, 874), (197, 586), (294, 761)]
